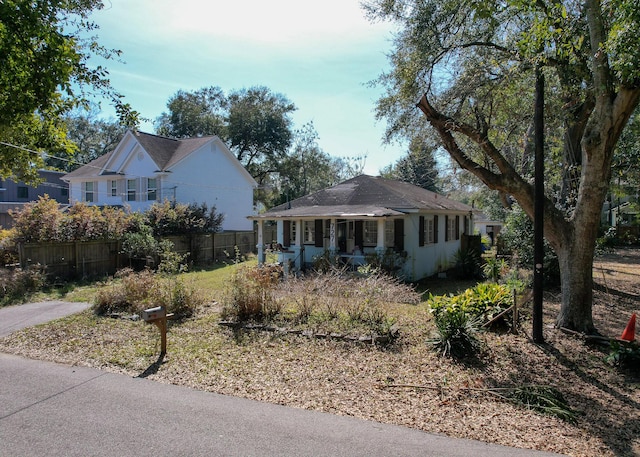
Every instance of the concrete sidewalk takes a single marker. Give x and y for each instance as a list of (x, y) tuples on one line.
[(49, 409)]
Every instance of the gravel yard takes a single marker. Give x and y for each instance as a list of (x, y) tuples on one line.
[(405, 384)]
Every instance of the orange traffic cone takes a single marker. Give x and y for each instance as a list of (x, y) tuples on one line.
[(629, 333)]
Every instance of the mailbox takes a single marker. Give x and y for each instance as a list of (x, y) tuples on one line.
[(153, 314)]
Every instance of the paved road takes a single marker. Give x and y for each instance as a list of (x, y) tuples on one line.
[(49, 409)]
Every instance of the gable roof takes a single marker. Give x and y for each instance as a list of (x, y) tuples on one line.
[(364, 195), (165, 153)]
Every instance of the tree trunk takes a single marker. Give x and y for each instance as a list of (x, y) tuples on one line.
[(576, 276)]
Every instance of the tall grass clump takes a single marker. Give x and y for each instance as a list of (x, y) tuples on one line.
[(131, 292), (16, 285), (338, 302), (250, 295)]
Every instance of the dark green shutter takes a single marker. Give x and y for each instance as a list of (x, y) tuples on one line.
[(359, 234), (446, 228), (398, 234), (435, 229), (318, 233), (421, 231), (286, 236)]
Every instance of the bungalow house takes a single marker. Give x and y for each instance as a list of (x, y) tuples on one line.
[(370, 215), (144, 169)]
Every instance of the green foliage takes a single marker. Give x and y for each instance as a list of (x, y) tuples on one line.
[(483, 301), (38, 221), (544, 399), (254, 122), (389, 262), (92, 136), (325, 262), (306, 168), (418, 166), (170, 261), (468, 263), (45, 221), (517, 238), (625, 356), (456, 334), (494, 268), (171, 218), (471, 67), (44, 53)]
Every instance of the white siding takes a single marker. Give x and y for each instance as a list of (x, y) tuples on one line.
[(208, 176), (430, 259)]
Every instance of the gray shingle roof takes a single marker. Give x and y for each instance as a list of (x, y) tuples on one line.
[(365, 195), (165, 152)]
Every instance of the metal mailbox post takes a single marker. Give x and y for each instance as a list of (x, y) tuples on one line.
[(158, 316)]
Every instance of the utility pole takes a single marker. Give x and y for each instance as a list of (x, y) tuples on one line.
[(538, 210)]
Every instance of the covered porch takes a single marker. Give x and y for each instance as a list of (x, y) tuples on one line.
[(350, 238)]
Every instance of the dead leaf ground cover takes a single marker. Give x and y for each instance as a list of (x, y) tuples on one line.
[(405, 384)]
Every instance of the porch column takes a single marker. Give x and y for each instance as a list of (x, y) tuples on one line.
[(333, 242), (380, 247), (297, 244), (260, 245)]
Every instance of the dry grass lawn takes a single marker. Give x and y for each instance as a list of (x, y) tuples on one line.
[(406, 384)]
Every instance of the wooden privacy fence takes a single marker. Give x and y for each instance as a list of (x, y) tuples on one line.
[(100, 258)]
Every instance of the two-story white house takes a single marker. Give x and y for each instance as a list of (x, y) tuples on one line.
[(145, 168)]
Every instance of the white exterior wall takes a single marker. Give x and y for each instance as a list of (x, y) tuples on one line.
[(208, 176), (430, 259)]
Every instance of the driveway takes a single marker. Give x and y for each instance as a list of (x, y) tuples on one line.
[(14, 318)]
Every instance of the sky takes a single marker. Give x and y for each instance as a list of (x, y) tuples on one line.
[(318, 54)]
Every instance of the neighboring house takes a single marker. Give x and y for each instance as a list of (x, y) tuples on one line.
[(144, 169), (621, 212), (367, 215), (485, 226), (14, 195)]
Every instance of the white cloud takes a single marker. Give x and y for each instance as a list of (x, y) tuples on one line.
[(294, 23)]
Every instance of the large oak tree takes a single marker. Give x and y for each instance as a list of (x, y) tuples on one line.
[(254, 122), (469, 65), (45, 72)]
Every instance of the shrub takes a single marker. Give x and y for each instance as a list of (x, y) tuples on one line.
[(494, 268), (250, 294), (18, 284), (141, 244), (389, 262), (171, 218), (170, 261), (624, 356), (483, 301), (38, 221), (133, 292), (467, 263), (517, 237), (325, 262), (456, 334)]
